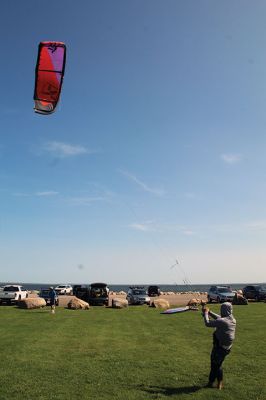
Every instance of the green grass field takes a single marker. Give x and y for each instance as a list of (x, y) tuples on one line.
[(135, 353)]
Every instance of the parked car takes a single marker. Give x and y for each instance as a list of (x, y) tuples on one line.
[(45, 294), (80, 291), (138, 295), (12, 294), (220, 294), (98, 294), (254, 292), (64, 289), (154, 291)]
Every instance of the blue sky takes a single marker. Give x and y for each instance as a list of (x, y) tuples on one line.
[(156, 151)]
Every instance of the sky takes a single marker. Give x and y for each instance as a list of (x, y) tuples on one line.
[(156, 153)]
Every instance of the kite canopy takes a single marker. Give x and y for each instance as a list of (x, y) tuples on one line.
[(49, 75), (179, 310), (175, 310)]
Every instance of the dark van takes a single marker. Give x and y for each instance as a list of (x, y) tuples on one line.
[(255, 292), (81, 292), (98, 294), (154, 291)]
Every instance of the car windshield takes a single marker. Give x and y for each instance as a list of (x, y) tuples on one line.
[(262, 288), (98, 292), (139, 292), (61, 286), (225, 290), (11, 289)]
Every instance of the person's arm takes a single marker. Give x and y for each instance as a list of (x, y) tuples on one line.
[(209, 323), (213, 315), (206, 313)]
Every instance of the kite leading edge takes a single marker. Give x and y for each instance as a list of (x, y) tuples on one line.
[(49, 73)]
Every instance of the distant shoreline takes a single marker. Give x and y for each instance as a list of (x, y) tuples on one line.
[(124, 287)]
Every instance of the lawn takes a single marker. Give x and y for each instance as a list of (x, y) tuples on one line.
[(135, 353)]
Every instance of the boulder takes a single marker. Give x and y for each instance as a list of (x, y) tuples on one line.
[(32, 302), (119, 303), (194, 302), (77, 304), (121, 293), (240, 300), (33, 292), (160, 303)]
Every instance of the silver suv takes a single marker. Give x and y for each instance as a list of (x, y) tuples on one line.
[(220, 294), (138, 295)]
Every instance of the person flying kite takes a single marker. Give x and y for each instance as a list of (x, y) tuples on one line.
[(223, 338)]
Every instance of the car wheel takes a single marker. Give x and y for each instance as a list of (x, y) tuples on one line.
[(257, 298), (218, 300), (209, 299)]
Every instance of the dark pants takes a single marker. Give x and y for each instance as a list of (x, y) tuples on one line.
[(218, 355)]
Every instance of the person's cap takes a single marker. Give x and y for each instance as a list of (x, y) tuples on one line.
[(51, 287)]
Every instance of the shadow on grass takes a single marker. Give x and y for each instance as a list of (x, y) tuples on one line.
[(170, 391)]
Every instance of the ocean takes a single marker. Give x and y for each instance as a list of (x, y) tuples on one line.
[(125, 287)]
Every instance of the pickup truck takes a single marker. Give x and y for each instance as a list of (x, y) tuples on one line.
[(12, 294)]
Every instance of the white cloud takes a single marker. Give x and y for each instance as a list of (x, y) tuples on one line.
[(199, 230), (142, 185), (153, 226), (188, 232), (257, 225), (62, 150), (47, 193), (231, 158), (36, 194), (85, 200), (140, 227)]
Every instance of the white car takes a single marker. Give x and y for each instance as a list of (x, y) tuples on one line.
[(64, 289)]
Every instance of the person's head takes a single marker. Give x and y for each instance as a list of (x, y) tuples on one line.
[(51, 288), (226, 309)]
